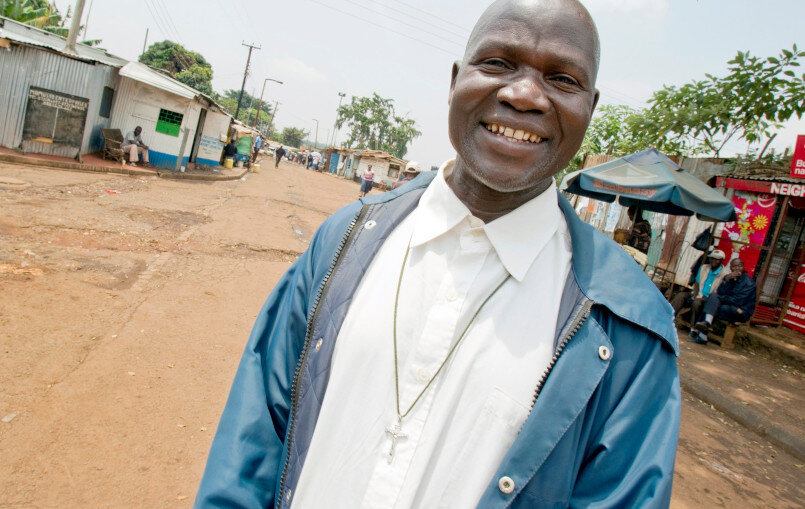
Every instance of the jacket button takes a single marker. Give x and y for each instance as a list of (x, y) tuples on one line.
[(288, 495), (318, 343), (370, 224), (505, 484), (604, 353)]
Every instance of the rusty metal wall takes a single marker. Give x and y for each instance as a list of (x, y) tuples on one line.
[(22, 67)]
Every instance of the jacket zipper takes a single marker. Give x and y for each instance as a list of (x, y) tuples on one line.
[(578, 321), (345, 240)]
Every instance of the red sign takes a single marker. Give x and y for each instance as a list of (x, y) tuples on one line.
[(798, 162), (757, 186), (795, 314)]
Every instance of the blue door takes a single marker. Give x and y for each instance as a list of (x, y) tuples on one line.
[(333, 162)]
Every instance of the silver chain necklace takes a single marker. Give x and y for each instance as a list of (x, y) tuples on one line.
[(395, 430)]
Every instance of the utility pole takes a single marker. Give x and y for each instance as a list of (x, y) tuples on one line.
[(75, 26), (260, 102), (274, 112), (317, 135), (245, 74), (341, 96), (86, 22), (145, 42)]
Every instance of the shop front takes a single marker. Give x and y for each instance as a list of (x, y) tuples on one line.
[(768, 238)]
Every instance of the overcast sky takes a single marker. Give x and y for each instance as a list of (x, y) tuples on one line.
[(403, 49)]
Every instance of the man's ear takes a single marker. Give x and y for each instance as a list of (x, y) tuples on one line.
[(456, 68), (595, 102)]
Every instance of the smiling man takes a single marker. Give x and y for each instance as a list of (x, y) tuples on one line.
[(464, 340)]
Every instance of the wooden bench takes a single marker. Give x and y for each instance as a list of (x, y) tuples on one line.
[(721, 333), (113, 145)]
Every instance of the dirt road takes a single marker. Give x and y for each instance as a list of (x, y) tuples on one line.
[(125, 303)]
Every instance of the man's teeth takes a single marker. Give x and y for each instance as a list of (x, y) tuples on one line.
[(514, 134)]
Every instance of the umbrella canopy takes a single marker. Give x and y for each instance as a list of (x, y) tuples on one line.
[(653, 182)]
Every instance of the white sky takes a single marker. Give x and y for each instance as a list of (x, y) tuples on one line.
[(403, 49)]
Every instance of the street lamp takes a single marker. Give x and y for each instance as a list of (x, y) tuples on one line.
[(341, 96), (315, 143), (260, 102)]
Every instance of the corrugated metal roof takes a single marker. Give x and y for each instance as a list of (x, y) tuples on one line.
[(144, 74), (26, 34)]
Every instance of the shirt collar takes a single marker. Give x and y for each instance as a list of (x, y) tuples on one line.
[(517, 237)]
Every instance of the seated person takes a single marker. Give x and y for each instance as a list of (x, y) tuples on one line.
[(409, 173), (640, 237), (230, 149), (734, 301), (706, 281), (133, 143)]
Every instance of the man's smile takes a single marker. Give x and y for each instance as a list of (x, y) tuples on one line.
[(512, 134)]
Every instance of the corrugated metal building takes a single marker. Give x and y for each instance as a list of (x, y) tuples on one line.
[(177, 120), (30, 57)]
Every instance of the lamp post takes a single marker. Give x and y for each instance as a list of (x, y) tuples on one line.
[(315, 143), (341, 96), (260, 102)]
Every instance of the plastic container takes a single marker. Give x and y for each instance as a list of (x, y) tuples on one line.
[(255, 168), (229, 162)]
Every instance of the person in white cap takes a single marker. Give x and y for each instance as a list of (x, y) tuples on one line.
[(409, 173), (707, 281)]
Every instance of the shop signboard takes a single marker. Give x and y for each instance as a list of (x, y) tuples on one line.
[(795, 314), (798, 161)]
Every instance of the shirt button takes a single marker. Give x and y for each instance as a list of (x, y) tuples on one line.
[(423, 375), (506, 484), (318, 343), (451, 295), (604, 353)]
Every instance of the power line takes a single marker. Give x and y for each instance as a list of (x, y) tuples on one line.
[(405, 23), (451, 53), (432, 15), (463, 36)]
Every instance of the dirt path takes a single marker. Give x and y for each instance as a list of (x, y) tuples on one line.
[(125, 303)]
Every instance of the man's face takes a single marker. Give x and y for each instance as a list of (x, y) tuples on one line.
[(715, 262), (529, 72), (137, 131), (737, 265)]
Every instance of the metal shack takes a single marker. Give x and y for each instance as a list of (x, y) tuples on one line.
[(180, 124), (53, 101)]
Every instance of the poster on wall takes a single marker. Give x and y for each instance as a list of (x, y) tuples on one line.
[(755, 212), (55, 118)]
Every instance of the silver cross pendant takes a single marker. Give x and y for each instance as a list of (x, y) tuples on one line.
[(395, 432)]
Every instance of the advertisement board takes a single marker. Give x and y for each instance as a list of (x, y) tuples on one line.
[(798, 161)]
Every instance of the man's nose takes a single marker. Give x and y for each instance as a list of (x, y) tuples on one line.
[(526, 94)]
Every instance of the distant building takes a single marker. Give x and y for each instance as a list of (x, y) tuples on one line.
[(351, 163), (177, 120), (53, 101)]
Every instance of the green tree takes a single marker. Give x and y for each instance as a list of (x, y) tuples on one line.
[(248, 108), (293, 136), (750, 103), (183, 65), (373, 124), (40, 14)]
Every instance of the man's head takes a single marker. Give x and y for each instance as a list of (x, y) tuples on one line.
[(523, 95), (716, 258), (370, 167), (137, 130), (737, 265), (634, 211)]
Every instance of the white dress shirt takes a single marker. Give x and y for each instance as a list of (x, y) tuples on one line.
[(462, 427)]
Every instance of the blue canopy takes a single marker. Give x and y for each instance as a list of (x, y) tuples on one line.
[(653, 182)]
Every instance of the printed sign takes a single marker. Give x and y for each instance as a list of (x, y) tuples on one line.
[(795, 314), (798, 161), (53, 117)]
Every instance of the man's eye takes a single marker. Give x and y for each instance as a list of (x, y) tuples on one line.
[(496, 62), (565, 79)]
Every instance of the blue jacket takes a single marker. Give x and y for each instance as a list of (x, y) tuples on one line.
[(739, 292), (603, 428)]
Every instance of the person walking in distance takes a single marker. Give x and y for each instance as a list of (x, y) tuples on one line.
[(367, 181)]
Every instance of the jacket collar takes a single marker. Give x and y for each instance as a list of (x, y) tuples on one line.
[(604, 273)]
